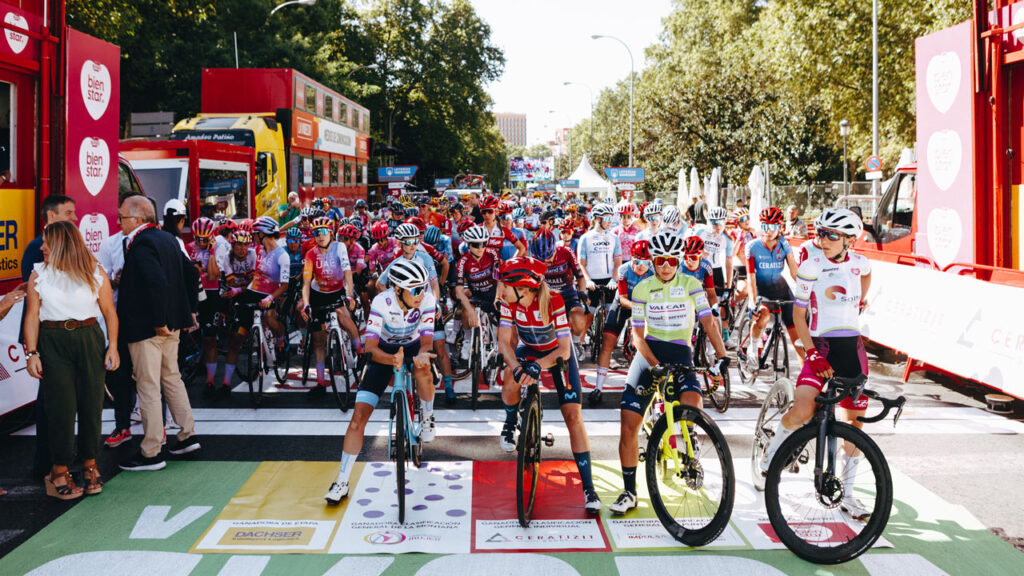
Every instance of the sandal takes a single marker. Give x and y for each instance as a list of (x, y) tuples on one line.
[(67, 491), (95, 482)]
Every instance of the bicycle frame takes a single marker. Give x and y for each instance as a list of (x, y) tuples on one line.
[(403, 384)]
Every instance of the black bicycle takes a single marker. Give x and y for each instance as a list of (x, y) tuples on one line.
[(595, 334), (809, 506), (773, 349), (528, 447), (485, 360), (339, 362), (704, 357)]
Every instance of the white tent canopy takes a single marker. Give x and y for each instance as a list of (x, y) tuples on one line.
[(590, 181)]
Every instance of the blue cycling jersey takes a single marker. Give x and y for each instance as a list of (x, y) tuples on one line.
[(703, 270), (628, 278), (769, 265), (295, 263), (508, 249)]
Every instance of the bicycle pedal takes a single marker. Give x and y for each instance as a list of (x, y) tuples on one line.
[(549, 440), (643, 455)]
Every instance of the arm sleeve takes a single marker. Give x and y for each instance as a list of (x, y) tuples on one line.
[(285, 263)]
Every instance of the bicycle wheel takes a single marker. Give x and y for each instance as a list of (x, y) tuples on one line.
[(775, 406), (307, 351), (692, 496), (628, 348), (596, 340), (284, 358), (252, 353), (455, 351), (779, 348), (337, 372), (528, 461), (811, 522), (476, 369), (747, 373), (399, 410)]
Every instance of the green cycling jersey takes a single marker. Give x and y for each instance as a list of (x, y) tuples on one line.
[(666, 311)]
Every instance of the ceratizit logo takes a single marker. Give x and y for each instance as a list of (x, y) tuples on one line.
[(96, 88)]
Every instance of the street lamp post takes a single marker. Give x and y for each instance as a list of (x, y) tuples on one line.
[(366, 67), (590, 139), (844, 131), (630, 52), (290, 2)]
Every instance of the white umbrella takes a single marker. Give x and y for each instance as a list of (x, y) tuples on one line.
[(756, 184), (694, 183), (681, 191), (716, 175)]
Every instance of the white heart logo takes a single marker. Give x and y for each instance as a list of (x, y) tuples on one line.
[(94, 164), (942, 80), (1016, 18), (16, 41), (95, 229), (945, 234), (96, 88), (944, 156)]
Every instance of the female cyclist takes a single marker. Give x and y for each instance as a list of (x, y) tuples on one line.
[(767, 257)]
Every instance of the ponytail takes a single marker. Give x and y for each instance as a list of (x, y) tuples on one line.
[(544, 300)]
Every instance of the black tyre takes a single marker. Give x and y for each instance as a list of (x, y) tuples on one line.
[(338, 372), (812, 523), (719, 394), (747, 373), (628, 349), (284, 359), (455, 351), (252, 360), (780, 355), (399, 410), (528, 461), (775, 405), (693, 501), (476, 369), (307, 354)]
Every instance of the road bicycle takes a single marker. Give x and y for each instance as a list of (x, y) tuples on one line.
[(404, 430), (257, 353), (688, 464), (718, 393), (595, 333), (778, 401), (528, 446), (340, 364), (773, 352), (485, 360), (808, 506)]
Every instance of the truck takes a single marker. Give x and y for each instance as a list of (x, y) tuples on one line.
[(306, 137)]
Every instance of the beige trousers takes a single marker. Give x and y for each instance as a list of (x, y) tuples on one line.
[(155, 364)]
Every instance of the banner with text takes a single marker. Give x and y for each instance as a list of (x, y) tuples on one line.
[(531, 169)]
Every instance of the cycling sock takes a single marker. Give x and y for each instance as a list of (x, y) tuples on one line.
[(602, 374), (319, 372), (849, 474), (348, 461), (428, 407), (211, 371), (280, 341), (583, 465), (229, 371), (781, 433), (725, 334), (629, 479), (447, 382), (510, 413)]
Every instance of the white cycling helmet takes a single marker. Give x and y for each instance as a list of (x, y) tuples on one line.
[(666, 243), (652, 209), (407, 274), (405, 231), (475, 234), (670, 215), (841, 220), (717, 213), (601, 210)]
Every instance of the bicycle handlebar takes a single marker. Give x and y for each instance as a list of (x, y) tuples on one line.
[(887, 405), (853, 388)]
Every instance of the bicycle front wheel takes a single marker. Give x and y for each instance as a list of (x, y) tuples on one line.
[(338, 372), (748, 368), (775, 406), (528, 464), (284, 358), (398, 442), (692, 491), (816, 520), (476, 372), (252, 354)]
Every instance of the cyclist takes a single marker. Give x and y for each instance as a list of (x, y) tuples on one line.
[(600, 256), (566, 238), (380, 255), (529, 308), (563, 275), (627, 228), (742, 235), (694, 264), (718, 247), (652, 214), (440, 242), (665, 306), (476, 284), (830, 290), (812, 247), (497, 236), (399, 329), (629, 275), (349, 235), (238, 270), (211, 308), (293, 242), (435, 255), (673, 222), (272, 274), (766, 259), (333, 212), (409, 249), (510, 248), (396, 215), (326, 281), (361, 213)]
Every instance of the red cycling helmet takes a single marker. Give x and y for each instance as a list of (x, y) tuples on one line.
[(693, 246), (506, 207), (228, 226), (379, 231), (464, 225), (523, 272), (202, 228), (772, 215), (246, 225), (641, 250), (489, 203), (348, 232), (418, 222)]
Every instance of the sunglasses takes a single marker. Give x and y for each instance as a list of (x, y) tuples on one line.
[(666, 261), (606, 218), (771, 227), (488, 211), (744, 219), (642, 263), (691, 257), (653, 217), (476, 245), (294, 240), (411, 241), (321, 232), (416, 291), (717, 222), (831, 235)]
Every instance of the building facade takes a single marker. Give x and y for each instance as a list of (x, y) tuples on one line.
[(512, 127)]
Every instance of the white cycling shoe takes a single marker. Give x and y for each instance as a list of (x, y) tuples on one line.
[(508, 438), (625, 502), (429, 430), (338, 491), (855, 509)]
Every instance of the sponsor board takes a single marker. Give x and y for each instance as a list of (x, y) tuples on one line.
[(267, 535), (648, 533), (541, 535)]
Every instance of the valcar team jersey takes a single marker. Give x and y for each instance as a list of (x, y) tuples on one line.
[(563, 269), (666, 311), (768, 264), (541, 334), (327, 267), (717, 246), (388, 323), (479, 276), (420, 257), (599, 249), (807, 251), (238, 271), (201, 258), (628, 279), (832, 292), (626, 236), (272, 271)]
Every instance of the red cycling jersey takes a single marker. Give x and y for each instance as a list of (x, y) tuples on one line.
[(479, 276), (563, 269), (201, 258), (498, 236), (540, 334)]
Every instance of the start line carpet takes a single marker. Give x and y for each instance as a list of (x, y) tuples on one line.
[(269, 518)]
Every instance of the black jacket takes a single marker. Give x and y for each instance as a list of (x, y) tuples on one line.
[(154, 291)]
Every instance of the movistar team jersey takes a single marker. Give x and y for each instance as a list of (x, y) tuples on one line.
[(388, 323), (599, 249), (832, 292), (666, 311), (769, 265)]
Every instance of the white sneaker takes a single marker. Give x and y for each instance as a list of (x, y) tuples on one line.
[(625, 502), (854, 508), (508, 438), (428, 431), (338, 491)]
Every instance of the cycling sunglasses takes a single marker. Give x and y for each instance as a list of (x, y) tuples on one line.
[(487, 211), (691, 257), (831, 235), (476, 244), (411, 241), (606, 218), (416, 291), (744, 219), (718, 222), (293, 240), (321, 232), (666, 260), (642, 263), (653, 217), (771, 227)]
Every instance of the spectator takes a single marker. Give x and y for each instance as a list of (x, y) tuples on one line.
[(6, 303), (155, 303), (740, 203), (119, 382), (691, 211), (795, 227), (474, 204), (65, 351), (700, 211), (290, 211), (55, 208), (175, 218)]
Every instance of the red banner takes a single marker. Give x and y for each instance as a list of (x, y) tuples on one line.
[(15, 43), (92, 115)]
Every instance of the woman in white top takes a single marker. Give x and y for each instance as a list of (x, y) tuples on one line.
[(67, 292)]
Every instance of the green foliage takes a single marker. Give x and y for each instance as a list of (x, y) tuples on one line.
[(427, 97)]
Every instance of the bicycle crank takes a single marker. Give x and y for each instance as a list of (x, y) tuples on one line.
[(549, 439)]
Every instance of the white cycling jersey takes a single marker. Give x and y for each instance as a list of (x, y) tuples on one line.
[(599, 248), (388, 323), (717, 246), (832, 293), (807, 251)]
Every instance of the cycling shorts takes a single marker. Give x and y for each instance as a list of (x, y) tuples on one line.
[(848, 358), (718, 275), (571, 395), (211, 313), (571, 298), (319, 299), (243, 315), (640, 373), (378, 376), (780, 294), (485, 302), (611, 295), (618, 317)]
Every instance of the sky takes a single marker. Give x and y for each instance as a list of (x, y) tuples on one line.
[(547, 42)]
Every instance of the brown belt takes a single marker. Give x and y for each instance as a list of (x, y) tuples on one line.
[(68, 324)]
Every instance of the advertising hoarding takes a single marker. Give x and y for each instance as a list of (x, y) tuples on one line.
[(532, 169)]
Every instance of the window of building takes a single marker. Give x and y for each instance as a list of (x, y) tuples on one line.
[(343, 115), (318, 171), (334, 171), (361, 173), (310, 98), (329, 107)]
